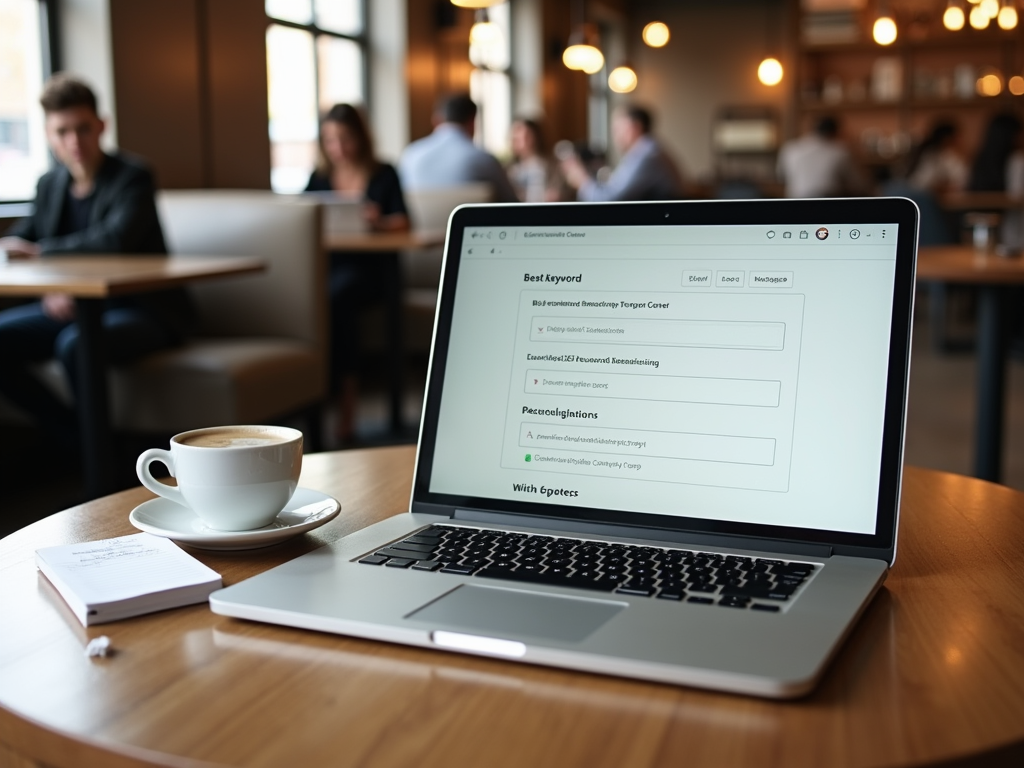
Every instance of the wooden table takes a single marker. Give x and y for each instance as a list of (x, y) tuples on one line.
[(933, 672), (92, 279), (388, 245), (992, 275)]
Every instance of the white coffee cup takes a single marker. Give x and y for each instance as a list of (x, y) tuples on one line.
[(234, 478)]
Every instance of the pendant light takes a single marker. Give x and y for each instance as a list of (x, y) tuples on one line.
[(623, 79), (656, 34), (989, 7), (582, 52), (954, 19), (884, 30), (1007, 18), (484, 31), (979, 19), (769, 71)]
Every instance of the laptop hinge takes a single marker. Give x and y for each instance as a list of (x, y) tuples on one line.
[(685, 538)]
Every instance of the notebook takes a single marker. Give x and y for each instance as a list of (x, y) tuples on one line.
[(114, 579), (659, 440)]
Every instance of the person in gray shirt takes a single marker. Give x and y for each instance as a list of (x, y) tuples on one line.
[(645, 172), (448, 156)]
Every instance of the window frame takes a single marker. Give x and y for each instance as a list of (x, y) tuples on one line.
[(362, 40)]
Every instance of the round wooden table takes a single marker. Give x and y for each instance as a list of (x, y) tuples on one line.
[(932, 674), (993, 276)]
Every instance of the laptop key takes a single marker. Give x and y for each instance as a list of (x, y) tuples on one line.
[(406, 546), (638, 591), (669, 593), (734, 601), (374, 560), (765, 607), (426, 565), (405, 554), (554, 580), (700, 600), (398, 562), (458, 568)]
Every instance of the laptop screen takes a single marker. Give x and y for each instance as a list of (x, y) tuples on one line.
[(732, 373)]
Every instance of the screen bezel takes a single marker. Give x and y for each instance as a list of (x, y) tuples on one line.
[(862, 211)]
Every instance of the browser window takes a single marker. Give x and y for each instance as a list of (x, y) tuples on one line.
[(727, 373)]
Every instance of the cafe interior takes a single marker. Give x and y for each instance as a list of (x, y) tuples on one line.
[(223, 100), (228, 103)]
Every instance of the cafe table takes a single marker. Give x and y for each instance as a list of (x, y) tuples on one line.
[(387, 245), (932, 674), (993, 276), (92, 279)]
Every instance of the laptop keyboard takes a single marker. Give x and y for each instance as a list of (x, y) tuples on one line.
[(710, 578)]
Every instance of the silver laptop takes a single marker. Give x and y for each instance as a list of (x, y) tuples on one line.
[(659, 440)]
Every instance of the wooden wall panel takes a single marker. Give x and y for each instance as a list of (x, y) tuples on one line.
[(239, 145), (190, 83), (156, 87)]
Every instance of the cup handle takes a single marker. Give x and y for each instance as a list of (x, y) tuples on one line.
[(169, 492)]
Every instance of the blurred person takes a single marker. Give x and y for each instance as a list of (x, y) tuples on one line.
[(91, 202), (819, 164), (999, 167), (936, 165), (645, 170), (347, 165), (534, 176), (448, 157)]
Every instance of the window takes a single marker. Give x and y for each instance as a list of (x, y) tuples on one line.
[(23, 156), (490, 84), (316, 57)]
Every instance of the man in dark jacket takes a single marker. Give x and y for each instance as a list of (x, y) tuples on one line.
[(92, 202)]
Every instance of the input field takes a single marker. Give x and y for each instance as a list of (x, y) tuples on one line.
[(729, 449), (639, 386), (721, 334)]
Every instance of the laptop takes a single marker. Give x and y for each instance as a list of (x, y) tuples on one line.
[(342, 213), (659, 440)]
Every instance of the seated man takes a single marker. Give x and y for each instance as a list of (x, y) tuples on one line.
[(91, 202), (645, 171), (819, 164), (448, 156)]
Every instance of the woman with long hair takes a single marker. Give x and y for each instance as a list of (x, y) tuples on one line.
[(348, 166)]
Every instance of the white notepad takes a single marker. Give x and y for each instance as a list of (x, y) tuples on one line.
[(113, 579)]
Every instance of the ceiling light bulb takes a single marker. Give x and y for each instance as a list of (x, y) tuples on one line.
[(1016, 85), (953, 19), (769, 72), (584, 57), (990, 85), (990, 8), (1007, 17), (622, 79), (476, 3), (656, 34), (884, 31), (979, 19)]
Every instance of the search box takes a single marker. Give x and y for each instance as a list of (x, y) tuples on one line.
[(639, 386), (729, 449), (719, 334)]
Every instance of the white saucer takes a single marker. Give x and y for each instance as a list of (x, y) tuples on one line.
[(308, 509)]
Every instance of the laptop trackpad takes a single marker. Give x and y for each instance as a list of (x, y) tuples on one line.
[(500, 612)]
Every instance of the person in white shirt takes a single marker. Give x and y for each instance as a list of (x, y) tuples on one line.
[(448, 156), (645, 171), (818, 164), (533, 174)]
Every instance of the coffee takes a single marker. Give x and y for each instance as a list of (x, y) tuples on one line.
[(234, 478), (232, 438)]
